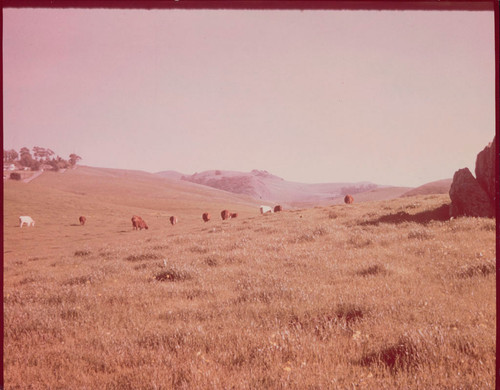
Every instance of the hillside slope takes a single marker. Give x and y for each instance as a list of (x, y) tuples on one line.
[(112, 193), (432, 188)]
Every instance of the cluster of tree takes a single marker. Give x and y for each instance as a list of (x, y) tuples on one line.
[(41, 156)]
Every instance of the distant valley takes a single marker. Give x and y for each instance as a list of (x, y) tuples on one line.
[(262, 185)]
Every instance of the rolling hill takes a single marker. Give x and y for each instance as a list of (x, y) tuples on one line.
[(105, 194), (264, 186), (435, 187)]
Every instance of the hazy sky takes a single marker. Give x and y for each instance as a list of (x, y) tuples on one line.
[(392, 97)]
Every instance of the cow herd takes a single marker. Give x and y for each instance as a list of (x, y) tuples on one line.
[(138, 223)]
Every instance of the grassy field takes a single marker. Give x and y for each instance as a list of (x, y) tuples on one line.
[(375, 295)]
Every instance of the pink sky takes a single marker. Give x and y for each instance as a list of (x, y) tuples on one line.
[(392, 97)]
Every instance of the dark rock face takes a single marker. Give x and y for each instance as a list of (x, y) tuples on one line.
[(468, 198), (485, 170), (476, 197)]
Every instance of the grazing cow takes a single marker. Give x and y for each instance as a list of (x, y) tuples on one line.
[(138, 223), (82, 220), (26, 220), (277, 208), (173, 220), (265, 209), (206, 217), (225, 214), (234, 215), (348, 199)]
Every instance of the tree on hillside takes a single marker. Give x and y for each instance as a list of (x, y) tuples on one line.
[(10, 156), (73, 159), (38, 152), (58, 163), (27, 160), (42, 154), (24, 151)]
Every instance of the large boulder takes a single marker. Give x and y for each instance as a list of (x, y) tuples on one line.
[(468, 198), (485, 170)]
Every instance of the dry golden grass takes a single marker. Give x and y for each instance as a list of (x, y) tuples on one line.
[(375, 295)]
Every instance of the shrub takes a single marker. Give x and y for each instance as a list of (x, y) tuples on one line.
[(15, 176)]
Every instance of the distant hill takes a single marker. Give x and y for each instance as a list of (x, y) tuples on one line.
[(377, 194), (264, 186), (171, 175), (435, 187)]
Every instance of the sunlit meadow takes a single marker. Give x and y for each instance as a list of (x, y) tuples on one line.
[(375, 295)]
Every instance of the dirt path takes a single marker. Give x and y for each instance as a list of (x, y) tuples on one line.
[(32, 177)]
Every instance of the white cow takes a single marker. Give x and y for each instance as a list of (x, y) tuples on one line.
[(265, 209), (26, 220)]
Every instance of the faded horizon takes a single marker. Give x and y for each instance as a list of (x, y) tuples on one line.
[(392, 97)]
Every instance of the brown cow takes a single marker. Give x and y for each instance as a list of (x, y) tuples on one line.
[(173, 219), (277, 208), (225, 214), (234, 215), (82, 220), (348, 199), (138, 223), (206, 217)]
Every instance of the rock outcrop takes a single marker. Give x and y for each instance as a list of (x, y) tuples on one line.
[(485, 170), (475, 197), (467, 196)]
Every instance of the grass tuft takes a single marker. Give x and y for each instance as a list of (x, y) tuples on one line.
[(359, 242), (82, 253), (198, 249), (420, 235), (211, 261), (144, 256), (484, 269), (79, 280), (27, 280), (489, 225), (350, 313), (172, 275), (375, 269), (407, 354)]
